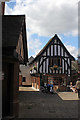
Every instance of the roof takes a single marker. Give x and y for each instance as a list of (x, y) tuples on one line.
[(11, 28), (30, 59), (55, 37), (12, 25)]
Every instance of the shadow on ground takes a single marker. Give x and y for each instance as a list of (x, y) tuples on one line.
[(42, 105)]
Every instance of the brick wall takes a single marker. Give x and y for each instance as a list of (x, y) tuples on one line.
[(20, 79), (36, 82)]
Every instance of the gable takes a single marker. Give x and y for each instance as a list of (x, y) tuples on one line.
[(54, 48)]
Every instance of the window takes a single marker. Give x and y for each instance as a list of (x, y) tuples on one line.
[(24, 79), (51, 61), (55, 41), (57, 61)]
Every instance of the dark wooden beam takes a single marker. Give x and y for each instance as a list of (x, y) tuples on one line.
[(42, 64), (48, 65), (70, 67), (55, 56), (38, 66), (57, 48), (67, 66), (61, 65), (53, 48), (60, 51)]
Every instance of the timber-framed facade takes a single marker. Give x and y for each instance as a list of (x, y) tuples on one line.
[(53, 63)]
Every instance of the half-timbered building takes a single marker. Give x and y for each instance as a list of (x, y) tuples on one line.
[(52, 64)]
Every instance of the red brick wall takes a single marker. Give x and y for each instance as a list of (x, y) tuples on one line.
[(36, 82), (20, 79)]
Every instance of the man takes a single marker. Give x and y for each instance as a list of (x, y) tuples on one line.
[(78, 87)]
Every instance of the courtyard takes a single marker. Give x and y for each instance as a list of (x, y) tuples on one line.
[(34, 104)]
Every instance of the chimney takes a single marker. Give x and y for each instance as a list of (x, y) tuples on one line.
[(3, 7)]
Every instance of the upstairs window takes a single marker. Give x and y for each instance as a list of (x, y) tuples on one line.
[(55, 41), (57, 61), (51, 61)]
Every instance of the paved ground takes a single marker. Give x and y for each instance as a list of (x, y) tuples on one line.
[(41, 105), (27, 89), (63, 95), (68, 95)]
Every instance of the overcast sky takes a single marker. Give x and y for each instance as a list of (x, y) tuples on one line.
[(44, 18)]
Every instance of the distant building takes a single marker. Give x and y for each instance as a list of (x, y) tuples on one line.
[(52, 65), (25, 73), (30, 59), (14, 53)]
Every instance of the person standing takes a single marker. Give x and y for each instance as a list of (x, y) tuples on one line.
[(78, 87)]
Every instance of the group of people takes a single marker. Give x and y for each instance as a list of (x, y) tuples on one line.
[(48, 88)]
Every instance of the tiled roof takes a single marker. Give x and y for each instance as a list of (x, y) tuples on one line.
[(11, 28)]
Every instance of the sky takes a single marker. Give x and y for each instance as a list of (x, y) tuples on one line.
[(44, 19)]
